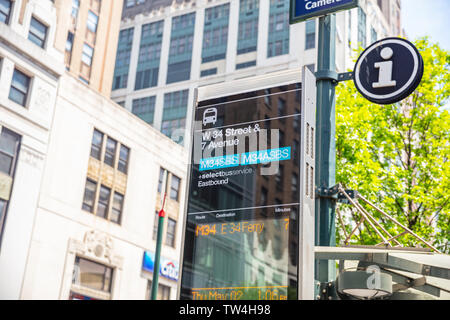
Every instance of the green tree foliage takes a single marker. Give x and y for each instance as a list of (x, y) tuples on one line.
[(397, 156)]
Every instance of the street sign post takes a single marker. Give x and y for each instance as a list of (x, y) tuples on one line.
[(301, 10), (249, 226), (327, 78)]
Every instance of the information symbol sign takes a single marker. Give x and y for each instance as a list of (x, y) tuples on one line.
[(388, 71)]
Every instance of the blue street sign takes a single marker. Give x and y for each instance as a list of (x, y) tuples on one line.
[(302, 10)]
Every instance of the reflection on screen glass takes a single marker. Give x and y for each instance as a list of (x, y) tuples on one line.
[(241, 239)]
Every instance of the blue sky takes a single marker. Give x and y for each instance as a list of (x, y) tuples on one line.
[(427, 18)]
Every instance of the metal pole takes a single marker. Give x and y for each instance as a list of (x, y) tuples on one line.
[(159, 238), (325, 142)]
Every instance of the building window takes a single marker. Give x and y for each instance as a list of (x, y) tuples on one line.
[(174, 187), (263, 197), (38, 32), (9, 149), (144, 108), (106, 197), (361, 27), (110, 152), (180, 71), (294, 186), (96, 146), (75, 8), (108, 201), (103, 202), (5, 10), (123, 57), (147, 71), (87, 54), (86, 59), (122, 166), (278, 38), (111, 148), (248, 26), (92, 275), (20, 86), (215, 33), (163, 291), (69, 46), (132, 3), (246, 65), (281, 108), (2, 213), (170, 235), (146, 79), (208, 72), (161, 179), (92, 22), (116, 211), (180, 53), (89, 196), (168, 127), (279, 178), (174, 112), (248, 5), (310, 37)]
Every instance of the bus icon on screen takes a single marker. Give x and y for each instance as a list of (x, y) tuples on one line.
[(210, 116)]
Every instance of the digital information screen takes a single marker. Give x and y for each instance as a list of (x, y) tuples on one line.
[(241, 237)]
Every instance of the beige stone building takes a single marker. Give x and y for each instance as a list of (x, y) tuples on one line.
[(87, 33), (80, 176)]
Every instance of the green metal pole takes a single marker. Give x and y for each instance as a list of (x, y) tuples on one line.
[(325, 142), (157, 255), (159, 238)]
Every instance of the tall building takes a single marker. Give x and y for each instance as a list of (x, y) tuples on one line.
[(168, 48), (81, 179), (30, 69), (87, 33)]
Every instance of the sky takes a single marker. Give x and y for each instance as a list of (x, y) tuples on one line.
[(427, 18)]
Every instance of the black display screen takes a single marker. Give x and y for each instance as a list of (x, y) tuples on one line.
[(241, 237)]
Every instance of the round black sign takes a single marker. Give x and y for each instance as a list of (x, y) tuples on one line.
[(388, 71)]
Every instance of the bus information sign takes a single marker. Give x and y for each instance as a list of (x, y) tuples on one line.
[(242, 232)]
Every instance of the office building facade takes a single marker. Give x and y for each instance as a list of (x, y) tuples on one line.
[(87, 35), (166, 49)]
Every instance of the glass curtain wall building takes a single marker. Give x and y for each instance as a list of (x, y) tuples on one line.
[(167, 49)]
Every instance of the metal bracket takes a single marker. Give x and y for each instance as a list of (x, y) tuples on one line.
[(330, 193), (333, 193), (353, 194), (327, 291), (333, 76), (327, 75), (346, 76)]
